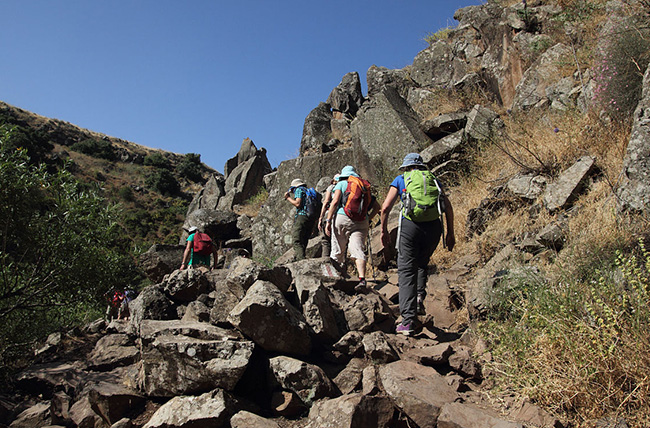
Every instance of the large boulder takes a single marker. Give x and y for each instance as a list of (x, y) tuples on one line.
[(386, 129), (546, 72), (212, 409), (347, 97), (634, 190), (438, 66), (379, 78), (353, 411), (184, 286), (151, 304), (160, 260), (566, 188), (247, 151), (265, 316), (307, 381), (221, 225), (317, 130), (419, 391), (189, 358), (208, 197), (111, 351), (245, 181)]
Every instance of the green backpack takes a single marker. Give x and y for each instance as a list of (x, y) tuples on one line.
[(421, 198)]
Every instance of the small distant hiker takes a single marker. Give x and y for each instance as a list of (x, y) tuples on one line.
[(327, 199), (348, 220), (307, 203), (420, 229), (198, 250)]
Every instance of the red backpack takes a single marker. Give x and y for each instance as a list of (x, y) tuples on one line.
[(202, 244), (356, 198)]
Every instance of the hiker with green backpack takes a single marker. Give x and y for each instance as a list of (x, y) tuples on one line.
[(420, 230), (198, 250), (308, 206)]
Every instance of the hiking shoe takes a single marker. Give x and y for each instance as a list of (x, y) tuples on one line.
[(405, 329), (361, 286), (421, 310)]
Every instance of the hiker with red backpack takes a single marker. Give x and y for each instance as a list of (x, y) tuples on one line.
[(348, 220), (308, 205), (420, 229), (198, 250)]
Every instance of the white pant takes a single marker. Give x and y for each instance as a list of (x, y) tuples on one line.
[(348, 235)]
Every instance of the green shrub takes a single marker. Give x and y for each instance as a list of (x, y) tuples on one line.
[(157, 160), (96, 148), (163, 182), (59, 251), (190, 167), (126, 193)]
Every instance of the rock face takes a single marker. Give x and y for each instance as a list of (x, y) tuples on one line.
[(387, 128), (347, 97), (634, 191)]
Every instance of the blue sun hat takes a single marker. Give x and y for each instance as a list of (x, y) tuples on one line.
[(412, 159), (347, 171)]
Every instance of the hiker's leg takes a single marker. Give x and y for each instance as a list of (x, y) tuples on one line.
[(306, 232), (339, 239), (357, 240), (407, 270), (297, 236), (325, 241), (428, 239)]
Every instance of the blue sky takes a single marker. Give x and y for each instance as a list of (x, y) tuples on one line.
[(199, 76)]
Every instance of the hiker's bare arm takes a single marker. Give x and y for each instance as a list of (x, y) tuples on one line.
[(186, 254), (386, 207), (293, 201), (326, 200), (449, 216), (333, 208)]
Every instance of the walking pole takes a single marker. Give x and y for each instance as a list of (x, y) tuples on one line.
[(369, 247)]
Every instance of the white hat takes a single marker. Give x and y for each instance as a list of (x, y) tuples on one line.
[(192, 229), (297, 183)]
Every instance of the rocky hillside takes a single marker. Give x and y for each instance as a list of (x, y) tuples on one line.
[(531, 321)]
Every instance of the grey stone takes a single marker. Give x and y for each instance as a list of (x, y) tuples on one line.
[(270, 321), (307, 381), (563, 191)]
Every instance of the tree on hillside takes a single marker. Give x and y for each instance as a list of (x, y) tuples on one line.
[(58, 252)]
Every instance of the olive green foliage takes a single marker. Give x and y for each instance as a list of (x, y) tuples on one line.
[(163, 182), (60, 249), (441, 34), (126, 194), (157, 160), (35, 143), (190, 168), (96, 148), (562, 338)]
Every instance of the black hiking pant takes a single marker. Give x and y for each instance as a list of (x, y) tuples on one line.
[(417, 242)]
